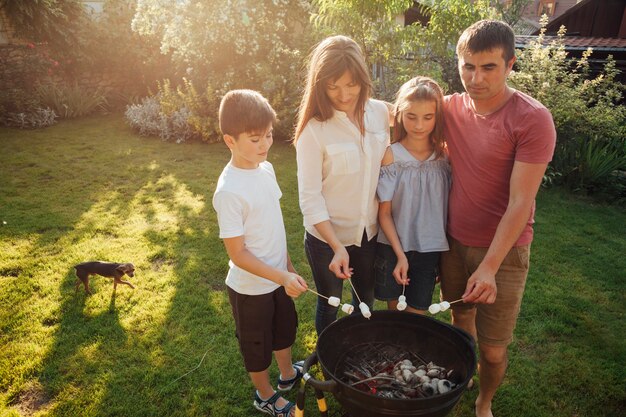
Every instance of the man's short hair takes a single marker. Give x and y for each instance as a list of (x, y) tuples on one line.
[(486, 35), (245, 111)]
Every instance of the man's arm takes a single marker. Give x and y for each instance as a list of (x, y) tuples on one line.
[(244, 259), (525, 181)]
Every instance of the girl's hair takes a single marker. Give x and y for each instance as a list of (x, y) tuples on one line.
[(420, 89), (328, 61)]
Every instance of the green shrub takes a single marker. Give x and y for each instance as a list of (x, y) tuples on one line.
[(202, 108), (590, 122), (70, 101)]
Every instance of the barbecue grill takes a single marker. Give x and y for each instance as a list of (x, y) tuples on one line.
[(425, 337)]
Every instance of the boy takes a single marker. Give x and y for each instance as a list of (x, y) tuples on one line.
[(261, 278)]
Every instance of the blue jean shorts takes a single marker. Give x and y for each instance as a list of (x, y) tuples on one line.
[(423, 269)]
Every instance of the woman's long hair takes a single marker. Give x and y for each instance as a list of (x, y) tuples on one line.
[(420, 89), (329, 60)]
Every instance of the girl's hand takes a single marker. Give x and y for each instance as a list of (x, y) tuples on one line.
[(340, 265), (400, 272), (294, 284)]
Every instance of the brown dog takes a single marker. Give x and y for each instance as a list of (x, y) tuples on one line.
[(105, 269)]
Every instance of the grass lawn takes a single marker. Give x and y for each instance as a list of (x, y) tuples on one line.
[(91, 189)]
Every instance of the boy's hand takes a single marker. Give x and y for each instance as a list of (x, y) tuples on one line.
[(294, 284)]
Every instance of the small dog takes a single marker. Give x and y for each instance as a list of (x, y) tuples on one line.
[(105, 269)]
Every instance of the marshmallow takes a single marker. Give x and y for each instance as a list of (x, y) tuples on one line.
[(401, 305), (365, 310), (444, 305), (434, 308), (402, 299), (334, 301), (347, 308)]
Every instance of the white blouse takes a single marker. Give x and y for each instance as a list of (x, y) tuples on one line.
[(338, 172)]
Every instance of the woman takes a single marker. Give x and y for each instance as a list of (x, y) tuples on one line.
[(341, 136)]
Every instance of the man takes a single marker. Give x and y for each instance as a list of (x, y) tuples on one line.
[(500, 142)]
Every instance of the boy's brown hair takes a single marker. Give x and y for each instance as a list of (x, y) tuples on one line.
[(486, 35), (245, 111)]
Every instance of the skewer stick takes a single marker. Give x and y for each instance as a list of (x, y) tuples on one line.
[(354, 289), (316, 293), (456, 301)]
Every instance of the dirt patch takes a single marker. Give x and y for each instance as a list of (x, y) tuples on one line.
[(31, 399)]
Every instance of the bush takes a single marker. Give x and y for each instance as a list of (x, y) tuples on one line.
[(149, 119), (34, 119), (70, 101), (590, 122)]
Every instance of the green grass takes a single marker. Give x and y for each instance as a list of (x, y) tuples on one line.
[(90, 189)]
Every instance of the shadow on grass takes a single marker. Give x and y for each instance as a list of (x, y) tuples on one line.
[(112, 354)]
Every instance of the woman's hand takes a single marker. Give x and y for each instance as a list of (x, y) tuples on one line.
[(340, 265), (400, 272)]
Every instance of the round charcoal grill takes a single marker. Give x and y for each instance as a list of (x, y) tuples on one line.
[(431, 339)]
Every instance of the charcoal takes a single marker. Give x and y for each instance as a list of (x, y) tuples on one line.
[(389, 371)]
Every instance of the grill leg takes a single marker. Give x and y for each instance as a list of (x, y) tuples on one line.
[(300, 399), (321, 403)]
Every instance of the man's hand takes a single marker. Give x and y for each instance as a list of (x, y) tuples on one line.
[(481, 288), (340, 265), (294, 284)]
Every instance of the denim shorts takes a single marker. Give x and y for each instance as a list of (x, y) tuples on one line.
[(422, 273)]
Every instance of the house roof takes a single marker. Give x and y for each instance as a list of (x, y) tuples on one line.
[(597, 18), (578, 42)]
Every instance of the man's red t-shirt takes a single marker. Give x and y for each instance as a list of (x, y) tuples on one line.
[(482, 151)]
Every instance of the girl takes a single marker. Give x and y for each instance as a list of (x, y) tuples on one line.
[(413, 193), (340, 139)]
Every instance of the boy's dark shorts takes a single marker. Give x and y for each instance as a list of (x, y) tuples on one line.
[(263, 324)]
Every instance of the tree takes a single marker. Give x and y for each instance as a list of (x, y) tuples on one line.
[(511, 11), (226, 44), (437, 41), (50, 21)]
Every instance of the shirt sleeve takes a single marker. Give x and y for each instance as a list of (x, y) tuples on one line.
[(230, 214), (537, 139), (386, 182), (310, 158)]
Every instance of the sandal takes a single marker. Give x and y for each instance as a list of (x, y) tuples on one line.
[(269, 406), (287, 384)]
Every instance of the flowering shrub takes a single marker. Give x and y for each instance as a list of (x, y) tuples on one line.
[(590, 122)]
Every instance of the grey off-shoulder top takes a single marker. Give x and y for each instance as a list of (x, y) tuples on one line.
[(418, 191)]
